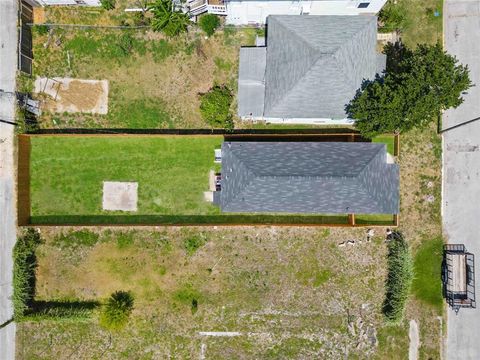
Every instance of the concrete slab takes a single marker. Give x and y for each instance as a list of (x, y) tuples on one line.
[(121, 196), (73, 95)]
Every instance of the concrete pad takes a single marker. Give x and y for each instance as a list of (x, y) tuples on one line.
[(73, 95), (121, 196)]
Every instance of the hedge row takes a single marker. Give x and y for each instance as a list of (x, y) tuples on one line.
[(399, 280)]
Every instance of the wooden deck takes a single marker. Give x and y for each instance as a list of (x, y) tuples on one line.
[(458, 283)]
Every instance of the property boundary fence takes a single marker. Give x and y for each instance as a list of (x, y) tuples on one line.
[(346, 220)]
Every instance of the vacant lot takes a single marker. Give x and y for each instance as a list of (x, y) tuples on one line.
[(67, 173), (290, 292), (154, 82)]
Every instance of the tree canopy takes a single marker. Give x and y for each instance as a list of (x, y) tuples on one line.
[(168, 18), (416, 87)]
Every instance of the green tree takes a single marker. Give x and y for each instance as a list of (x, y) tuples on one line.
[(209, 23), (108, 4), (168, 18), (215, 107), (417, 86), (116, 311)]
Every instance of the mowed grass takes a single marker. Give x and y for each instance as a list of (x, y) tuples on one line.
[(67, 173), (427, 284), (388, 140)]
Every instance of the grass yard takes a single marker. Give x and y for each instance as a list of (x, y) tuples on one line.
[(67, 173)]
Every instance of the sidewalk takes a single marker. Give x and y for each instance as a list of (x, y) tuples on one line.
[(8, 66)]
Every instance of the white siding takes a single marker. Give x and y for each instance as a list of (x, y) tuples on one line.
[(256, 12)]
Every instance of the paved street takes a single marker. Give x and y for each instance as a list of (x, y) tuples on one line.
[(461, 167), (8, 66)]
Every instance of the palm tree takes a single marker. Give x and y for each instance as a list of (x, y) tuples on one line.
[(168, 18)]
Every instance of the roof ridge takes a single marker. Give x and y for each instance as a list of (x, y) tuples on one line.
[(360, 182), (348, 43), (319, 55)]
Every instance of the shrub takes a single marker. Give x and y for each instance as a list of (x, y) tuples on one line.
[(24, 265), (168, 18), (209, 23), (215, 106), (40, 29), (399, 279), (393, 17), (116, 311), (108, 4)]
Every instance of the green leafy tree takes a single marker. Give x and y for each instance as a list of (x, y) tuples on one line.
[(108, 4), (417, 86), (215, 107), (209, 23), (116, 311), (168, 18)]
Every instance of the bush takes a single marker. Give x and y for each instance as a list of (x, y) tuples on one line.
[(168, 18), (24, 265), (399, 279), (209, 23), (108, 4), (393, 17), (116, 311), (40, 29), (215, 107)]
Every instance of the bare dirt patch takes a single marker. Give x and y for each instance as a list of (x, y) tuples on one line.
[(73, 95)]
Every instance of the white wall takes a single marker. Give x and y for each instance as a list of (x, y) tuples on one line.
[(301, 121), (256, 12)]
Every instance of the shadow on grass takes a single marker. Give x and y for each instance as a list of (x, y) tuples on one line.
[(61, 309), (189, 219)]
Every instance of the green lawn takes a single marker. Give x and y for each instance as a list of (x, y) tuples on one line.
[(427, 285), (388, 140), (172, 173)]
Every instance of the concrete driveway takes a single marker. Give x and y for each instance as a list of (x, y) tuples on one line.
[(461, 168), (8, 67)]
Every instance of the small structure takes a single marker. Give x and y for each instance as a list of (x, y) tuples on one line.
[(458, 277), (119, 195), (308, 178)]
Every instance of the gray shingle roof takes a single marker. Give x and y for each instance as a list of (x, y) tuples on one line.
[(308, 177), (251, 81), (314, 64)]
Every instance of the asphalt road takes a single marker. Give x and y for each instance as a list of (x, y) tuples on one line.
[(8, 66), (461, 168)]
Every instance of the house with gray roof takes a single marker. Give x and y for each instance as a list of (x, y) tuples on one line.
[(309, 70), (308, 178)]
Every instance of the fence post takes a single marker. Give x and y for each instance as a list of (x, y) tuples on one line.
[(351, 219)]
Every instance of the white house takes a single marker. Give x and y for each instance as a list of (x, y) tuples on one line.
[(255, 12)]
